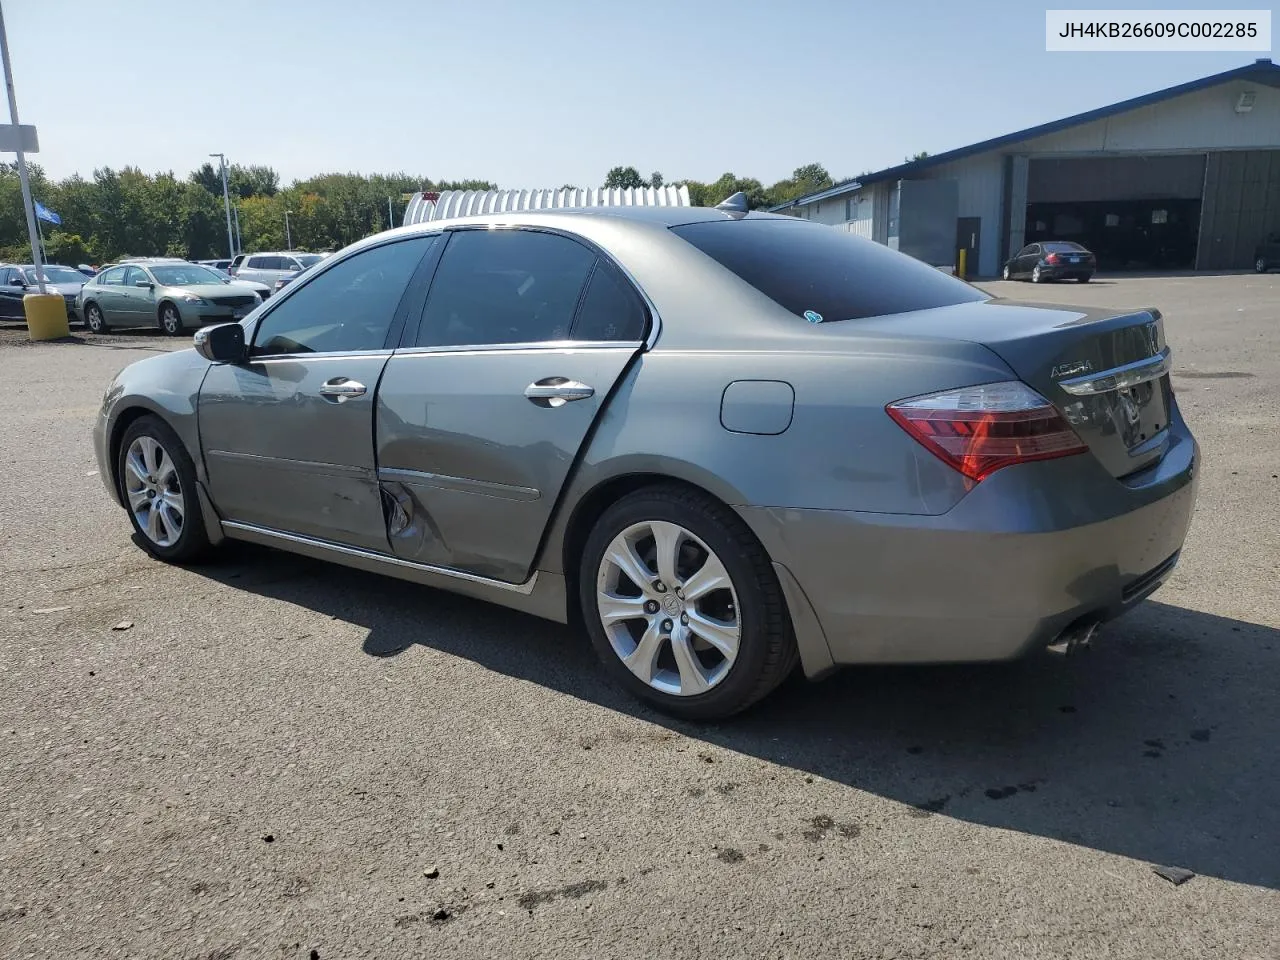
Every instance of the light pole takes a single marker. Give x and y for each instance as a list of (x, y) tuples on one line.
[(391, 217), (235, 212), (226, 201), (288, 237), (33, 230)]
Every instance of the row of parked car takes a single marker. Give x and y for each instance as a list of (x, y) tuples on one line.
[(167, 292)]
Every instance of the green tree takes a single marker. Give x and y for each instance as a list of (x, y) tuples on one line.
[(917, 156), (68, 248), (655, 179), (624, 177)]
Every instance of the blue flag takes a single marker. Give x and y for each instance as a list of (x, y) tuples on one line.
[(47, 215)]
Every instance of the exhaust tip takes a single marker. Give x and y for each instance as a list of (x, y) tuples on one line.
[(1077, 637)]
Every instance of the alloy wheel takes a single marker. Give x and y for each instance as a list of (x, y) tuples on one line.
[(1006, 273), (171, 320), (154, 491), (1261, 265), (669, 608), (93, 318), (1035, 275)]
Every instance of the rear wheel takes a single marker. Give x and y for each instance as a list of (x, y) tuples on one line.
[(682, 604), (1086, 278), (93, 318), (170, 320), (1035, 274), (1260, 265), (158, 485), (1006, 274)]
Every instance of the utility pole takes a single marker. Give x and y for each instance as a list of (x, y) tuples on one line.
[(391, 217), (33, 230), (288, 237), (226, 201), (235, 210)]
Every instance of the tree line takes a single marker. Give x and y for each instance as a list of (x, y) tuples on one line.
[(117, 213)]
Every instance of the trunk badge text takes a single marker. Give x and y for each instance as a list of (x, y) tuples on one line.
[(1071, 369)]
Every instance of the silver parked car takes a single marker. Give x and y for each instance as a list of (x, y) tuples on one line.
[(171, 294), (726, 442), (269, 267)]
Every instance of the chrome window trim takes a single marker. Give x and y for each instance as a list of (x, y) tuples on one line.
[(336, 355), (1121, 377), (524, 589), (535, 346)]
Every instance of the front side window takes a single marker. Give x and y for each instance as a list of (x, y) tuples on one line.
[(823, 274), (348, 307), (504, 286)]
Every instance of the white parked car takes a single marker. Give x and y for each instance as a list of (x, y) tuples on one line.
[(267, 268)]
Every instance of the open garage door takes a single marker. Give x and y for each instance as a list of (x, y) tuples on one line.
[(1134, 213)]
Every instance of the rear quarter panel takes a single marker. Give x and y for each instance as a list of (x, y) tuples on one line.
[(841, 450)]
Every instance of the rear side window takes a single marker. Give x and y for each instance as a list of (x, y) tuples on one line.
[(823, 274), (611, 309), (504, 286)]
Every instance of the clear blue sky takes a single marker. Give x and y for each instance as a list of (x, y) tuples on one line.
[(545, 92)]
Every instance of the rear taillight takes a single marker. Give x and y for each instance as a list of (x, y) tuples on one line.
[(1051, 258), (978, 430)]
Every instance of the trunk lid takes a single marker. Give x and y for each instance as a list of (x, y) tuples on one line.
[(1106, 370)]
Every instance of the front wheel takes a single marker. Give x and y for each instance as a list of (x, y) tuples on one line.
[(93, 318), (158, 484), (682, 604), (170, 320)]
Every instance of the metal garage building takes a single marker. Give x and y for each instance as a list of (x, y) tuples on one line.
[(1184, 178)]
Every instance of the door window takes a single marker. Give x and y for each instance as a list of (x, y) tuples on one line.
[(258, 263), (610, 310), (504, 286), (8, 276), (348, 307), (113, 277), (133, 275)]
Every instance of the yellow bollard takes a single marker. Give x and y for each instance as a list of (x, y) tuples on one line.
[(961, 269), (46, 316)]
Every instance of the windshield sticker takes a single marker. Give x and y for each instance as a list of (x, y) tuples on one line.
[(813, 316)]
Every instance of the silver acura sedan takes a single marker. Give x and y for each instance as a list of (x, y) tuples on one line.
[(725, 443)]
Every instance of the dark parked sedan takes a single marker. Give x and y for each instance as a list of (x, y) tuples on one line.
[(1267, 254), (1051, 260), (18, 280), (724, 442)]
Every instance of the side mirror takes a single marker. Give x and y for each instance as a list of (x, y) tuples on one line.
[(223, 343), (144, 283)]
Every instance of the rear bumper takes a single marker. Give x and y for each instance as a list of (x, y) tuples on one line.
[(1066, 271), (1032, 550)]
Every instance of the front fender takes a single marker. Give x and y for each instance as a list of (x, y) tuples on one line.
[(167, 386)]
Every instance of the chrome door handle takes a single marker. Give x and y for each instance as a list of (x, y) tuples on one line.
[(557, 391), (340, 388)]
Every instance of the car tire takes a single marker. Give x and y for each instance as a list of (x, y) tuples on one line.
[(1260, 265), (1086, 278), (94, 321), (676, 668), (170, 319), (1005, 274), (157, 483), (1035, 274)]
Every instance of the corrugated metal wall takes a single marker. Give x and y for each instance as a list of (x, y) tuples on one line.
[(471, 203), (1241, 205), (1200, 121), (981, 182)]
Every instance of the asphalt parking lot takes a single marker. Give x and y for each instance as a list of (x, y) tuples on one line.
[(271, 757)]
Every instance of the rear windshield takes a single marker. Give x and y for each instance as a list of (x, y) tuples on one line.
[(1063, 246), (823, 274)]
